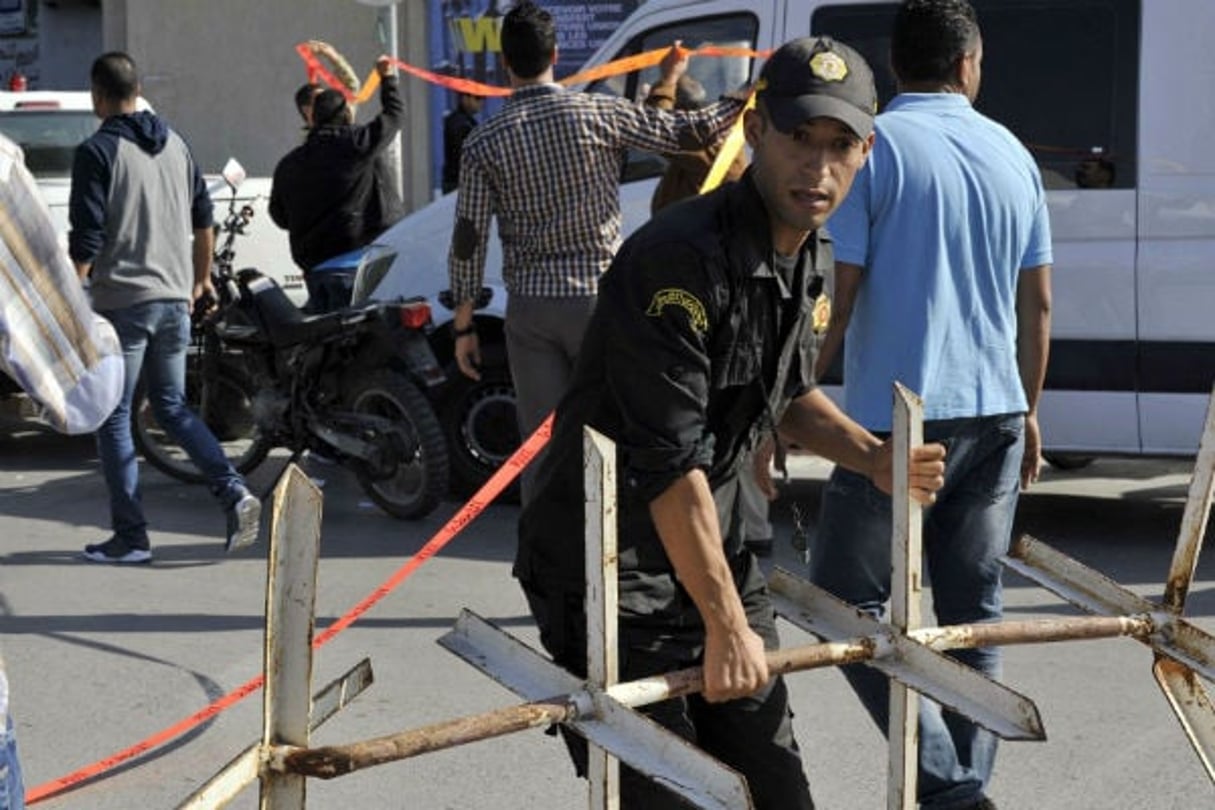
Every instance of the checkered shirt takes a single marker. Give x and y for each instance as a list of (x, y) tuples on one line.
[(547, 166)]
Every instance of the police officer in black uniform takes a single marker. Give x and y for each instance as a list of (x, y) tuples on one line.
[(701, 341)]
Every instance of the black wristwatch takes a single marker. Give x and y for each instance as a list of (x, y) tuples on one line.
[(471, 329)]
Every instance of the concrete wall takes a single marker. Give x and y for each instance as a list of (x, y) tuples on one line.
[(223, 72), (69, 38)]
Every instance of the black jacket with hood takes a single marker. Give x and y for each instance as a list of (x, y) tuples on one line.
[(333, 193)]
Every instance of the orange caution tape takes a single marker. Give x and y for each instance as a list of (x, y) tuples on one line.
[(369, 86), (626, 64), (501, 479), (316, 70)]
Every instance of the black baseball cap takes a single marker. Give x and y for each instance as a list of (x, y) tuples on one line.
[(815, 77)]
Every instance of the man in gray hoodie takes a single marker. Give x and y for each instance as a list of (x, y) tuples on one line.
[(137, 195)]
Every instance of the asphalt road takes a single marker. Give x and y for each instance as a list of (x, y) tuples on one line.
[(101, 657)]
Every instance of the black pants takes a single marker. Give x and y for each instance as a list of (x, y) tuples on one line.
[(753, 735)]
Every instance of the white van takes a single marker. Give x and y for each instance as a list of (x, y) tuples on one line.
[(1113, 97)]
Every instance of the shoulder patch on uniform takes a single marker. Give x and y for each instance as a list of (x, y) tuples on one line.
[(675, 297)]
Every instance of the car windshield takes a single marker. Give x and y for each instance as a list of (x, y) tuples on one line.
[(48, 137)]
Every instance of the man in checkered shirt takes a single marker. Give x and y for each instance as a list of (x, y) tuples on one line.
[(548, 167)]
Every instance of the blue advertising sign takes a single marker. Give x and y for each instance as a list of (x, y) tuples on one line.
[(464, 41)]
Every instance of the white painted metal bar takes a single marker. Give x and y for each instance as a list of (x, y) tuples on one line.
[(218, 791), (1073, 581), (906, 595), (295, 534), (1194, 520), (665, 757), (496, 653), (1171, 635), (245, 767), (639, 742), (1192, 706), (599, 480), (989, 703), (1186, 644), (1186, 695)]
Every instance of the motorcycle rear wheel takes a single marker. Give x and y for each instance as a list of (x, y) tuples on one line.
[(418, 484), (229, 415)]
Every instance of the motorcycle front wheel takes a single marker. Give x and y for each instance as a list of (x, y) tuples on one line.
[(418, 477), (227, 409)]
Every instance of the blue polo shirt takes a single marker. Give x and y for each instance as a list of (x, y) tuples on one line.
[(947, 211)]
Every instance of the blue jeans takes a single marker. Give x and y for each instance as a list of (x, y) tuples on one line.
[(12, 791), (154, 337), (965, 533)]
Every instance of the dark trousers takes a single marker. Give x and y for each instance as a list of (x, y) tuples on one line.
[(753, 735)]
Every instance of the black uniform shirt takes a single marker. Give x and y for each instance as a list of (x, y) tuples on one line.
[(672, 368)]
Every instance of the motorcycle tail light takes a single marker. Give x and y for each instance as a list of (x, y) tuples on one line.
[(415, 316)]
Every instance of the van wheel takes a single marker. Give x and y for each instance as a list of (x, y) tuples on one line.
[(479, 423), (1067, 463)]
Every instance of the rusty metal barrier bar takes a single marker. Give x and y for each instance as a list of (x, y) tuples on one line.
[(474, 635), (601, 710)]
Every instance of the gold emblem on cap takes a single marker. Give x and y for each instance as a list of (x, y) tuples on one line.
[(828, 66)]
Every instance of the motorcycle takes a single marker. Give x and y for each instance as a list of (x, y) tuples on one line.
[(347, 384)]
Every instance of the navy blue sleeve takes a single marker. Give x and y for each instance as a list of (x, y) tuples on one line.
[(92, 168), (202, 209)]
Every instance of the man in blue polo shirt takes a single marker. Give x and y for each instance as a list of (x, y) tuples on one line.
[(943, 284)]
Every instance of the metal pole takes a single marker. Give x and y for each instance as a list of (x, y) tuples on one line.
[(599, 482), (906, 595), (295, 540)]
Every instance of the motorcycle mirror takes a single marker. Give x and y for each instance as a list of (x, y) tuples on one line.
[(234, 173)]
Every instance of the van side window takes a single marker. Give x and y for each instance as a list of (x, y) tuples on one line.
[(716, 75), (1062, 76)]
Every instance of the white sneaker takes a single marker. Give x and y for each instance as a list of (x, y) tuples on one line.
[(244, 522)]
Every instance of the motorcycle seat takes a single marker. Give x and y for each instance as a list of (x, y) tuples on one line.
[(284, 323), (311, 328)]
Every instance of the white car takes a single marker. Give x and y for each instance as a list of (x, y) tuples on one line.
[(48, 125)]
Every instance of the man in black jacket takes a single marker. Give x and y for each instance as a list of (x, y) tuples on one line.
[(332, 193)]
